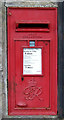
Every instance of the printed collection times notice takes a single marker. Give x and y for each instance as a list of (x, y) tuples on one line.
[(32, 61)]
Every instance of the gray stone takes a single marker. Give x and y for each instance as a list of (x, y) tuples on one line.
[(3, 53)]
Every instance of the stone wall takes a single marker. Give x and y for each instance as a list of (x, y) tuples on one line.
[(1, 71), (3, 47)]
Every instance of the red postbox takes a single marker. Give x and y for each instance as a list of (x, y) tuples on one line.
[(32, 61)]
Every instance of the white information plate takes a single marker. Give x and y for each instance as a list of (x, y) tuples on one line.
[(32, 61)]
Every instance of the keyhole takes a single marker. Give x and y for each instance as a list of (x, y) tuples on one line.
[(22, 78)]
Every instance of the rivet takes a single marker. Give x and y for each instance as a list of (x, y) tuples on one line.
[(10, 14)]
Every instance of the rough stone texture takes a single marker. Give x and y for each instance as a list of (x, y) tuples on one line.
[(30, 119), (1, 59), (4, 62), (36, 0), (3, 51), (30, 3), (30, 0)]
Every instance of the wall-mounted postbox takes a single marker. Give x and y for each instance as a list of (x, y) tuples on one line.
[(32, 61)]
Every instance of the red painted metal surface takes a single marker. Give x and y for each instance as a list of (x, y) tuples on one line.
[(32, 94)]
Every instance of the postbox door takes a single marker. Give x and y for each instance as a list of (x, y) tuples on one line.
[(31, 82)]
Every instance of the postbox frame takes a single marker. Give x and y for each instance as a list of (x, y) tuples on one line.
[(9, 100)]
